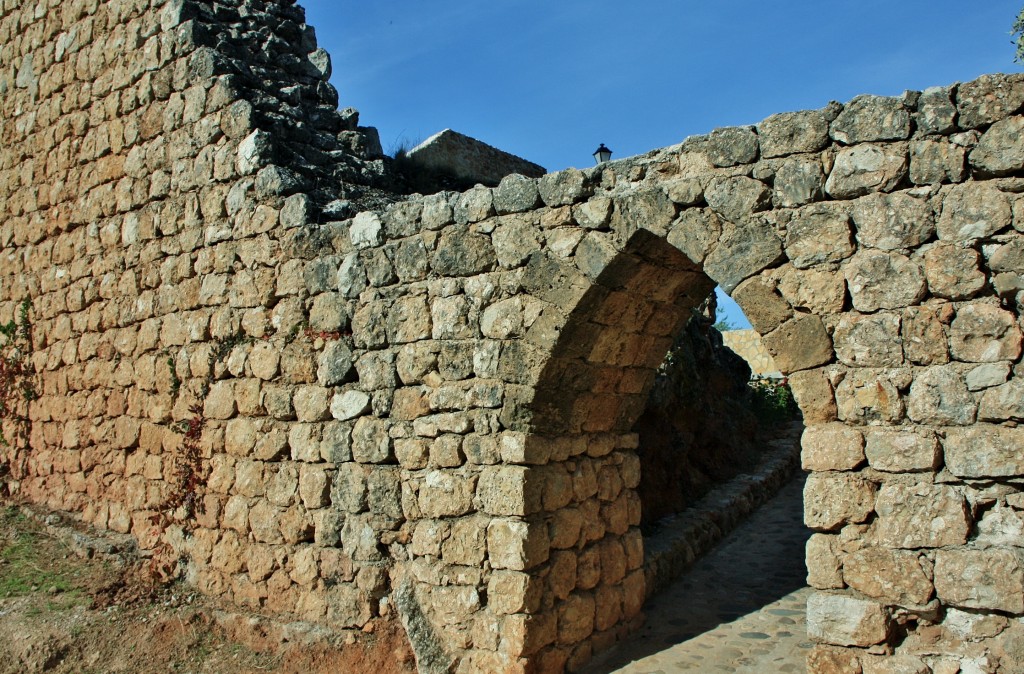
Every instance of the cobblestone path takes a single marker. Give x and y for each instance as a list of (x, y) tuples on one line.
[(739, 609)]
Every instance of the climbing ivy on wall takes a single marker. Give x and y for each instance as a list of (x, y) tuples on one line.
[(17, 384)]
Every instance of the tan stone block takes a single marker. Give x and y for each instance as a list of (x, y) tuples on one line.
[(509, 490), (834, 499), (894, 576), (824, 568), (846, 621), (576, 618), (516, 545), (220, 401), (314, 486), (832, 446), (989, 580), (813, 393), (514, 592), (920, 516)]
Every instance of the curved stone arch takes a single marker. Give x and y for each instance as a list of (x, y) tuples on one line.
[(876, 295)]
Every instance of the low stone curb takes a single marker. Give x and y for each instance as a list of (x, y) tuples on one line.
[(683, 538)]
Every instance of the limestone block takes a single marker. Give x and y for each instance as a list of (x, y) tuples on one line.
[(462, 253), (333, 364), (871, 340), (832, 446), (793, 132), (991, 579), (825, 660), (902, 450), (695, 232), (736, 198), (351, 276), (240, 437), (510, 490), (866, 168), (846, 621), (564, 187), (920, 516), (1000, 527), (474, 205), (730, 146), (409, 320), (817, 290), (894, 576), (1003, 403), (384, 492), (366, 230), (314, 486), (881, 280), (940, 397), (254, 151), (953, 271), (220, 401), (973, 211), (514, 592), (649, 209), (924, 337), (446, 493), (936, 112), (593, 213), (800, 343), (834, 499), (988, 99), (409, 403), (984, 450), (263, 519), (516, 194), (869, 118), (893, 221), (984, 333), (311, 403), (799, 181), (516, 545), (450, 318), (819, 233), (896, 664), (937, 161), (283, 485), (972, 626), (824, 568), (514, 240), (814, 396), (988, 375), (742, 251), (370, 441)]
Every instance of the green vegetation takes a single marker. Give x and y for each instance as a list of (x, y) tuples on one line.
[(25, 569), (772, 401), (1018, 35)]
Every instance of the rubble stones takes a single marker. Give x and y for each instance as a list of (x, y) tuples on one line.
[(863, 169), (845, 621)]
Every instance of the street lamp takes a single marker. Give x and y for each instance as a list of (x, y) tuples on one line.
[(602, 154)]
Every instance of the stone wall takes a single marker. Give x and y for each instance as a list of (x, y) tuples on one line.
[(427, 409), (747, 345)]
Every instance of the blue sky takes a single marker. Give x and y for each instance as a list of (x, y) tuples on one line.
[(549, 81)]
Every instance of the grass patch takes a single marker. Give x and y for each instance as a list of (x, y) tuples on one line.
[(25, 566)]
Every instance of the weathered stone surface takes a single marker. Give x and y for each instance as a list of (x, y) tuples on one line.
[(920, 516), (869, 397), (799, 181), (879, 280), (732, 145), (349, 405), (893, 221), (984, 333), (988, 99), (846, 621), (742, 251), (826, 660), (834, 499), (936, 112), (366, 230), (818, 234), (469, 158), (793, 132), (937, 161), (973, 211), (510, 490), (899, 450), (813, 393), (516, 545), (991, 579), (1000, 150), (984, 450), (799, 344), (824, 568), (924, 337), (474, 205), (871, 340), (1003, 403), (462, 253), (831, 447), (515, 194), (870, 118), (863, 169), (736, 198), (939, 397), (987, 375), (648, 209), (953, 271), (819, 291), (1000, 527), (762, 305), (696, 232), (564, 187), (894, 576)]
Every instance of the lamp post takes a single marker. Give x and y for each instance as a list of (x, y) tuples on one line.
[(602, 154)]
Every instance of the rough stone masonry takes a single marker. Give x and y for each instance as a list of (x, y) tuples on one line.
[(426, 409)]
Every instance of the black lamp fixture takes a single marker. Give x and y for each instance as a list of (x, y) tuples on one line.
[(602, 154)]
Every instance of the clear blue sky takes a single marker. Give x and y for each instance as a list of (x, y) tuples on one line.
[(549, 81)]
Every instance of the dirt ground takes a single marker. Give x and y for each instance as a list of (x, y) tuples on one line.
[(75, 603)]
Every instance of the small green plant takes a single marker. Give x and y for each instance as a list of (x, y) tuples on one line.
[(772, 401), (175, 380), (17, 377)]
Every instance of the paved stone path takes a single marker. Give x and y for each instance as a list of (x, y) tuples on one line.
[(739, 609)]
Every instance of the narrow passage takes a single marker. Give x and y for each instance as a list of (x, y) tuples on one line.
[(739, 609)]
